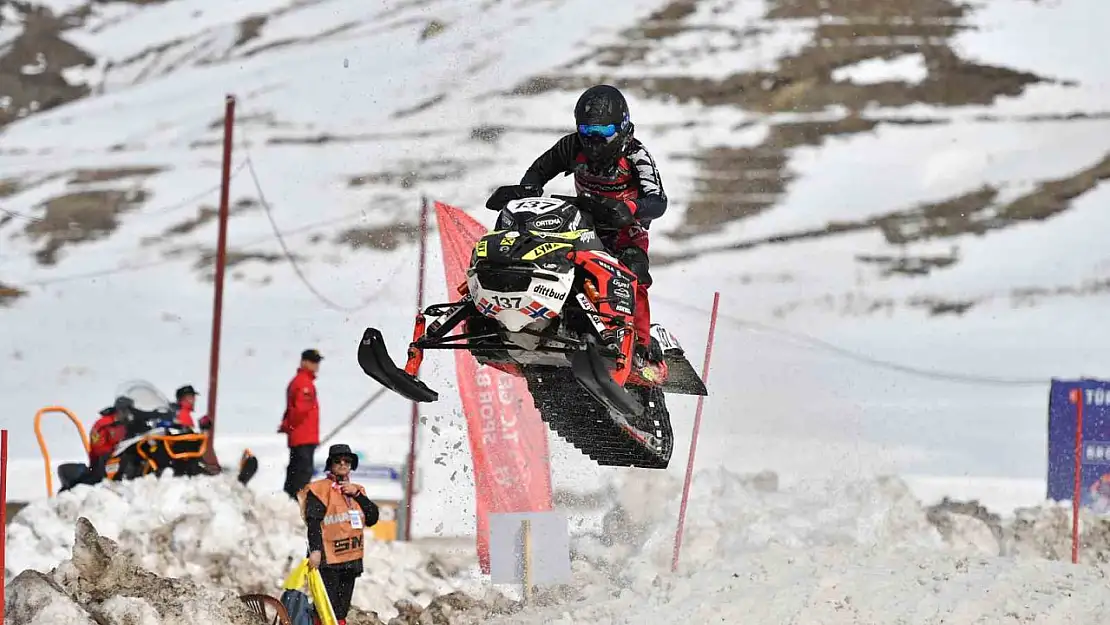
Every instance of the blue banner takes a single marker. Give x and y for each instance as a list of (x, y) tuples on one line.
[(1095, 450)]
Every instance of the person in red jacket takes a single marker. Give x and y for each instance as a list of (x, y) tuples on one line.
[(301, 422), (186, 403), (105, 434)]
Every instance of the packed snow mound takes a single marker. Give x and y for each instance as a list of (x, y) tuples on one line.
[(830, 551), (730, 513), (104, 585), (848, 586), (834, 550), (214, 530)]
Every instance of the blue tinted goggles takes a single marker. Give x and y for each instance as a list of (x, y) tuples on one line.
[(597, 130)]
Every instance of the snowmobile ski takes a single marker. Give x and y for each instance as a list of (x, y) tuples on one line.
[(374, 359), (592, 373)]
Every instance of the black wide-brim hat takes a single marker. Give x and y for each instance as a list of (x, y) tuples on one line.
[(340, 451)]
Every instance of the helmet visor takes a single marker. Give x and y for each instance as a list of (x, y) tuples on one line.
[(606, 131)]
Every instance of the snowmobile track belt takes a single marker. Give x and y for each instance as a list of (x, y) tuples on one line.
[(582, 421)]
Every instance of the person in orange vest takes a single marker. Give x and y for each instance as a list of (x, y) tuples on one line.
[(337, 513)]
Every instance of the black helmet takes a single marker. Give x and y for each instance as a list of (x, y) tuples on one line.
[(124, 407), (604, 129), (185, 390)]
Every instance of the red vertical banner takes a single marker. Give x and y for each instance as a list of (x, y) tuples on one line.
[(508, 439)]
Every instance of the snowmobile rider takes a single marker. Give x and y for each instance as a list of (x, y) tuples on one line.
[(616, 171), (336, 526), (186, 402)]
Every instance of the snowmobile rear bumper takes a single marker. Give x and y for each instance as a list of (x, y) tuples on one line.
[(681, 377), (374, 359)]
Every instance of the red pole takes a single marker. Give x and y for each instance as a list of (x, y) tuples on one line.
[(218, 300), (415, 421), (694, 438), (3, 514), (1077, 397)]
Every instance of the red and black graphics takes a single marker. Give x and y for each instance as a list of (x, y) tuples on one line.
[(611, 289), (615, 288), (621, 184)]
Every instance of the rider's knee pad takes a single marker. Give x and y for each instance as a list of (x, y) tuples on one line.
[(636, 260)]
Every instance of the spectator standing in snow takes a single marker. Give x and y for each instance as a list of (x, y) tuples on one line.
[(301, 422), (337, 513)]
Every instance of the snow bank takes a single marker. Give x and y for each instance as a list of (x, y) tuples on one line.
[(827, 551), (830, 551), (850, 586), (214, 530), (104, 586)]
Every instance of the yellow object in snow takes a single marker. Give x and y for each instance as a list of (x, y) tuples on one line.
[(303, 574)]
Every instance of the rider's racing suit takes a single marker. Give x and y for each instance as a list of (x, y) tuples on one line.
[(634, 181)]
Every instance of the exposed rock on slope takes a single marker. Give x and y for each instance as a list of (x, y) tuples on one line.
[(102, 584), (215, 531)]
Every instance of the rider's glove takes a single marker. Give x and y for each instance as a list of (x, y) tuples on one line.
[(611, 212)]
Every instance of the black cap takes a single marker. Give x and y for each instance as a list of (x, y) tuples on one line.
[(311, 355), (185, 390), (339, 451)]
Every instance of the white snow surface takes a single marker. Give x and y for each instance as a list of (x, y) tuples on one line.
[(819, 551), (211, 530), (829, 550)]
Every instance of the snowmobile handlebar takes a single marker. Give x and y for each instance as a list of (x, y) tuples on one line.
[(507, 193), (587, 204)]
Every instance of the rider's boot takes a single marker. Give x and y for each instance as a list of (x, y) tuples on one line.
[(649, 368)]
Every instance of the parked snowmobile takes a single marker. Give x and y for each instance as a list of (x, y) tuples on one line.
[(153, 442), (544, 300)]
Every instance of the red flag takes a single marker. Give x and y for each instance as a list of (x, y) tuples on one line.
[(508, 439)]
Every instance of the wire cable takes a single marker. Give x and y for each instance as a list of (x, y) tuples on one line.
[(816, 343), (325, 300)]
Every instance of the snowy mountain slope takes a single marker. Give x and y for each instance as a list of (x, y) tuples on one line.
[(918, 185)]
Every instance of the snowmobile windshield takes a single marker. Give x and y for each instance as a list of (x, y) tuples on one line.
[(542, 214), (146, 396)]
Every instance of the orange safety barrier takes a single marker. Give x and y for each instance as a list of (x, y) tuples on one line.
[(42, 442), (168, 442)]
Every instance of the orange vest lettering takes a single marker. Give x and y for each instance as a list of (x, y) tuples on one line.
[(342, 538)]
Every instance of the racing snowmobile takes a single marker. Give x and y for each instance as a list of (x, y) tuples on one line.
[(545, 300), (153, 442)]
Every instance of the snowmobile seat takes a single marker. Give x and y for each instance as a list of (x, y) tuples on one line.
[(71, 474)]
